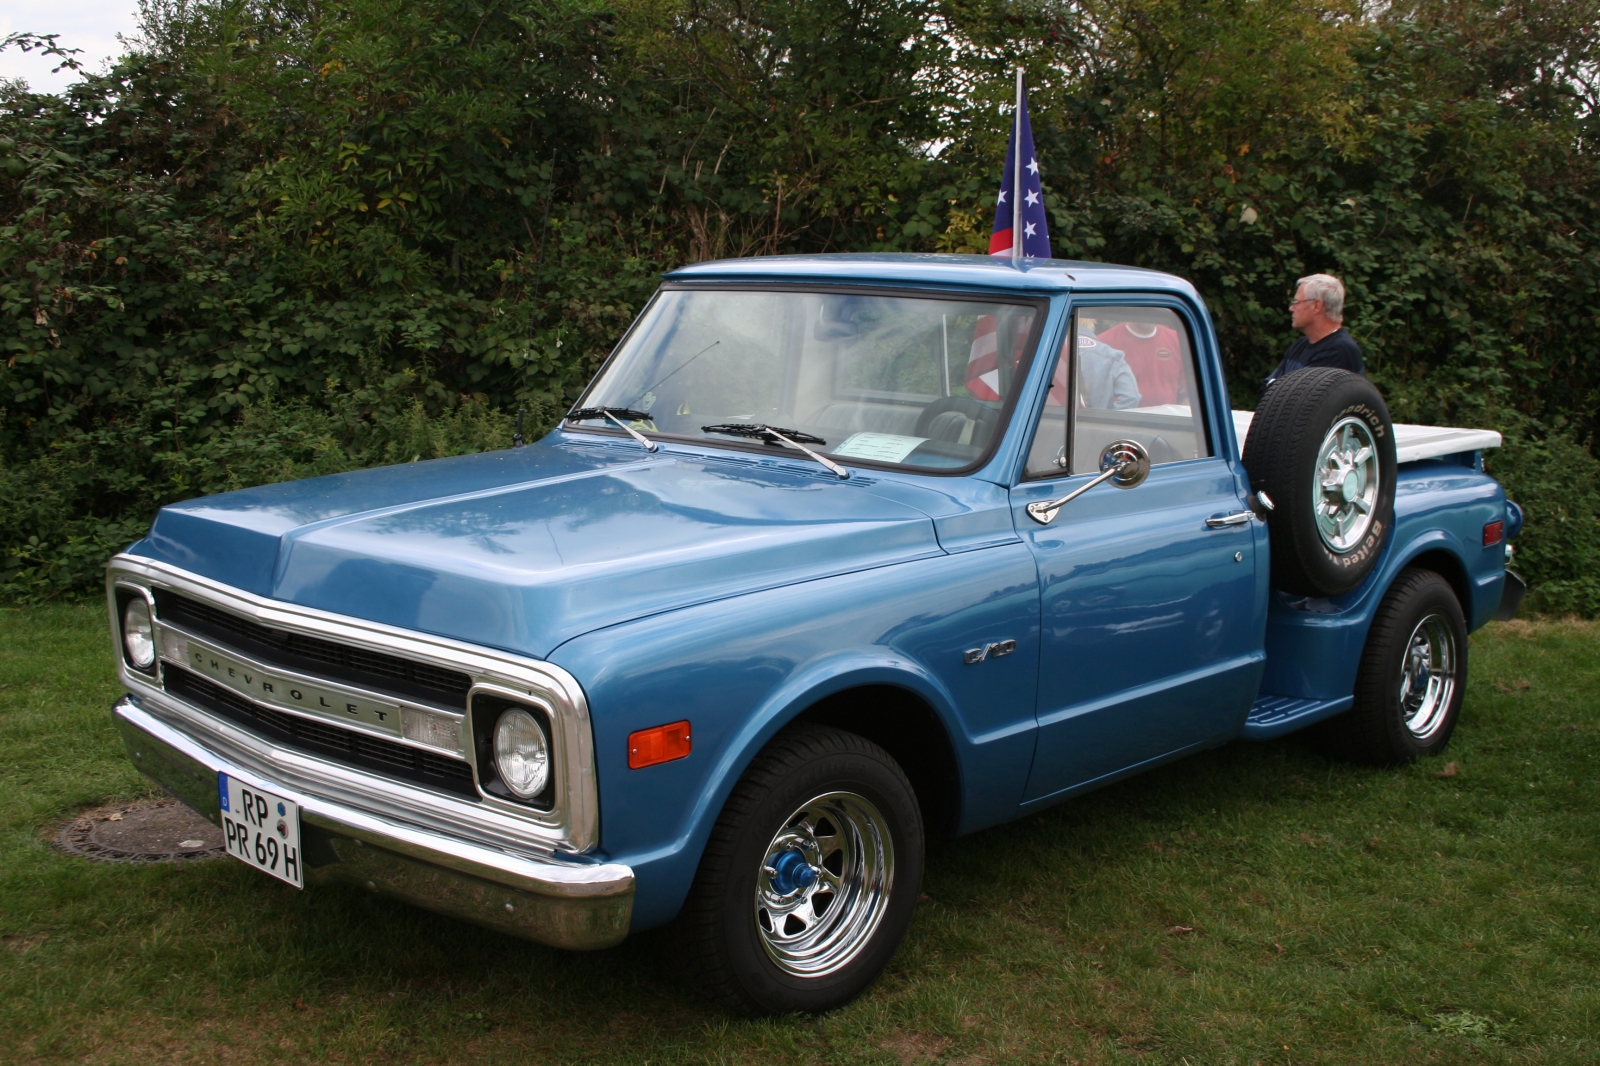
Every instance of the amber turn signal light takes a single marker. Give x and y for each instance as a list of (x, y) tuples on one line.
[(662, 743), (1493, 534)]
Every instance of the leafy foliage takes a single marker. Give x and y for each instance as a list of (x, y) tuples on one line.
[(146, 460), (283, 236)]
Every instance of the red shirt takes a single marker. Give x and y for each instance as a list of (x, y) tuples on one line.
[(1156, 362)]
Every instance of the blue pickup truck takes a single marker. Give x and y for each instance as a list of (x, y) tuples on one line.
[(835, 553)]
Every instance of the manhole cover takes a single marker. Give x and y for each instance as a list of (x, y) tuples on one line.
[(160, 830)]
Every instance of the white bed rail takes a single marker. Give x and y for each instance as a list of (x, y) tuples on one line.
[(1411, 443)]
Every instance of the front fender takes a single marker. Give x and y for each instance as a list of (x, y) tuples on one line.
[(740, 670)]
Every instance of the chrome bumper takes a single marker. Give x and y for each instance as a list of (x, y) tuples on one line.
[(573, 905)]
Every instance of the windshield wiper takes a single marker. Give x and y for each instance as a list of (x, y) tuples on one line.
[(791, 437), (584, 414)]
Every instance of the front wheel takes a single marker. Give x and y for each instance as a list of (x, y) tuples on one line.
[(810, 878), (1412, 678)]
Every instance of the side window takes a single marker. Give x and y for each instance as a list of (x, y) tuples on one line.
[(1129, 373)]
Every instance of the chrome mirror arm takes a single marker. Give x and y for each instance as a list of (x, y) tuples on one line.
[(1044, 512), (1124, 463)]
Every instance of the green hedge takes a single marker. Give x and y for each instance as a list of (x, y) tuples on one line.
[(55, 547), (289, 236)]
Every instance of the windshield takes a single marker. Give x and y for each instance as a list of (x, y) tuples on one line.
[(917, 381)]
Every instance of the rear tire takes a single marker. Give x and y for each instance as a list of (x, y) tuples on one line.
[(810, 877), (1412, 679), (1321, 445)]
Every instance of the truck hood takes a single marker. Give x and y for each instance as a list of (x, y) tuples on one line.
[(525, 549)]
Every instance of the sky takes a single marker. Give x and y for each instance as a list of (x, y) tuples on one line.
[(91, 25)]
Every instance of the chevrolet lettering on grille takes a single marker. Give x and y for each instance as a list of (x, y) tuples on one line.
[(290, 692)]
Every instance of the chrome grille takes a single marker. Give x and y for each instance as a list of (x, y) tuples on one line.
[(320, 738), (328, 655), (405, 678)]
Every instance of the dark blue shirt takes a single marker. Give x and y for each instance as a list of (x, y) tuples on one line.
[(1338, 349)]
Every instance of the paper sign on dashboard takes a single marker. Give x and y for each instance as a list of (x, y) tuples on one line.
[(883, 447)]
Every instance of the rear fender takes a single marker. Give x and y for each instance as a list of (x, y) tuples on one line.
[(1314, 645)]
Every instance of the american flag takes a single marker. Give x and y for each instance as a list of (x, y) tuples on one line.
[(983, 362), (1036, 235)]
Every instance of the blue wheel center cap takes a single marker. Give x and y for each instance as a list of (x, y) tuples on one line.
[(792, 872)]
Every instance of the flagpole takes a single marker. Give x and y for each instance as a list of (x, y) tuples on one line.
[(1016, 177)]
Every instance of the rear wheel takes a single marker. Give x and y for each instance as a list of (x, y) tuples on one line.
[(810, 878), (1412, 678)]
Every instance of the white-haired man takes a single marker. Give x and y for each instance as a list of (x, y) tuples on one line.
[(1317, 311)]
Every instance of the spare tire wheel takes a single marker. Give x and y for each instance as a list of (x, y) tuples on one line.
[(1321, 446)]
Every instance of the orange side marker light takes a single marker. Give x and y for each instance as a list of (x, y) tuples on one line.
[(661, 743)]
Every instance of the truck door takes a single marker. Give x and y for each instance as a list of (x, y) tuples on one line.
[(1151, 607)]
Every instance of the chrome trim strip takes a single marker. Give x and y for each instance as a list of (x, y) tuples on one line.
[(565, 904), (278, 673), (573, 823)]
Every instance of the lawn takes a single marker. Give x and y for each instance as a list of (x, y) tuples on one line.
[(1256, 904)]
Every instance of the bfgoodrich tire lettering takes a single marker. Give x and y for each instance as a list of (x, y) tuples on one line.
[(810, 877), (1412, 679), (1321, 446)]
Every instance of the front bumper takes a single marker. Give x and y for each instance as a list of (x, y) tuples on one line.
[(566, 905)]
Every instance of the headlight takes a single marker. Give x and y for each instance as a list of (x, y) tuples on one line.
[(138, 635), (521, 754)]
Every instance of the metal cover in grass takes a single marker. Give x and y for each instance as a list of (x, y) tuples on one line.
[(159, 830)]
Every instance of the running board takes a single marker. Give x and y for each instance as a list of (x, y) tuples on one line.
[(1273, 716)]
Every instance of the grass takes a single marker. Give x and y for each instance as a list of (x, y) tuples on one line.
[(1257, 904)]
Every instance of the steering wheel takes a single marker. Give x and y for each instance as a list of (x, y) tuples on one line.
[(975, 410), (1162, 451)]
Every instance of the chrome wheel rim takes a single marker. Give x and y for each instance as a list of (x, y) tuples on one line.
[(1428, 676), (1347, 481), (824, 884)]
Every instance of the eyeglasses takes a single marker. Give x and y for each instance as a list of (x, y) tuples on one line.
[(1295, 303)]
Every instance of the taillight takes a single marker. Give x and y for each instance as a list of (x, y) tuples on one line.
[(1494, 533)]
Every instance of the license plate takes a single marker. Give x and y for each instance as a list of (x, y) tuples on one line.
[(261, 829)]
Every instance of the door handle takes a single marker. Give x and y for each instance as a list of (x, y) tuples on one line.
[(1238, 518)]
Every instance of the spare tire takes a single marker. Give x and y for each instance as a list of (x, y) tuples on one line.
[(1321, 446)]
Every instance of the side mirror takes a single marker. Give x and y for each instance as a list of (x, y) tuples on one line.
[(1124, 463), (1128, 461)]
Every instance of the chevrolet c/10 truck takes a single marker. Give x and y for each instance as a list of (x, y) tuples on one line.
[(835, 552)]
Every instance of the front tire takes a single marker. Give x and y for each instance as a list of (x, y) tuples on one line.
[(810, 878), (1412, 679)]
